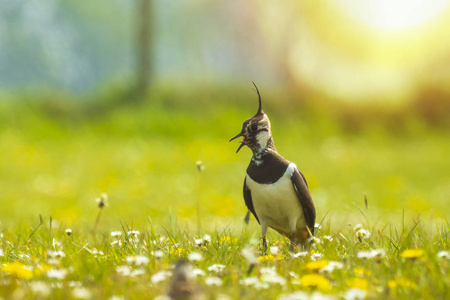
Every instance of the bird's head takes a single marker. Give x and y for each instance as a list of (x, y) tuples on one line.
[(256, 131)]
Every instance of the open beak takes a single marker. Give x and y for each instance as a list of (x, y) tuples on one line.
[(243, 141)]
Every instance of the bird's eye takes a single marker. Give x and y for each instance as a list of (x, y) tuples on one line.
[(254, 127)]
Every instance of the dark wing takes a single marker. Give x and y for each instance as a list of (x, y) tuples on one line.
[(304, 179), (248, 199), (305, 199)]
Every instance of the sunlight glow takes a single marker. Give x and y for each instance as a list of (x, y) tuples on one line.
[(393, 15)]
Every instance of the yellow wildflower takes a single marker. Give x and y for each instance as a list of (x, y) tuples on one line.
[(361, 272), (40, 269), (18, 270), (316, 265), (178, 251), (229, 239), (401, 283), (315, 281), (412, 253), (358, 283), (270, 257)]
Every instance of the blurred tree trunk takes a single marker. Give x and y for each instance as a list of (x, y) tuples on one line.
[(144, 48)]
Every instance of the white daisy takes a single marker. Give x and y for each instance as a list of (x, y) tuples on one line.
[(160, 276), (216, 268), (443, 254), (81, 293), (57, 273), (116, 234), (354, 294), (213, 280), (332, 265), (195, 256)]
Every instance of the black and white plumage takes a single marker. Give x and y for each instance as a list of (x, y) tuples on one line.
[(275, 191)]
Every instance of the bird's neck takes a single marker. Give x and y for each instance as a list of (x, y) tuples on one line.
[(263, 145)]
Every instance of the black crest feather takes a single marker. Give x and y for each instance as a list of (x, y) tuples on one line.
[(260, 111)]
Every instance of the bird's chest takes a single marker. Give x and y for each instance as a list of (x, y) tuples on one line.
[(276, 204)]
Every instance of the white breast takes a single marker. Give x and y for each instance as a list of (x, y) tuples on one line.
[(277, 205)]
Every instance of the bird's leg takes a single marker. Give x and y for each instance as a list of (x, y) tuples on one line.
[(264, 241), (292, 242)]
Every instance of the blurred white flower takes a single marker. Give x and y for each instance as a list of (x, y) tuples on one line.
[(198, 242), (162, 297), (133, 232), (213, 280), (160, 276), (328, 238), (137, 272), (24, 256), (102, 201), (81, 293), (316, 256), (1, 253), (300, 254), (363, 234), (270, 275), (268, 270), (317, 226), (195, 256), (198, 272), (116, 233), (355, 294), (249, 281), (53, 261), (314, 240), (158, 254), (273, 278), (115, 297), (298, 295), (332, 265), (443, 254), (207, 238), (116, 243), (377, 253), (274, 250), (358, 227), (138, 260), (96, 252), (250, 256), (142, 260), (216, 268), (75, 283), (55, 254), (255, 282), (57, 273), (123, 270), (223, 297), (69, 232), (40, 288), (200, 166)]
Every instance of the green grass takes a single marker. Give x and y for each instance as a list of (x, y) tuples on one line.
[(56, 160), (102, 268)]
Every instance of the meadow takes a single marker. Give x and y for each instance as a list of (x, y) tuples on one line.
[(173, 185)]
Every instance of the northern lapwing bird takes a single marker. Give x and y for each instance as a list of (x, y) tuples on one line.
[(275, 191)]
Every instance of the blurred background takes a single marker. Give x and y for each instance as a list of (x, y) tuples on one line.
[(125, 97)]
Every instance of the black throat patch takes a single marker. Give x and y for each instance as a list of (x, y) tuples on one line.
[(268, 168)]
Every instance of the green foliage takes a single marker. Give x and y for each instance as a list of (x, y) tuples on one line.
[(44, 261), (59, 155)]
